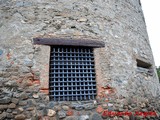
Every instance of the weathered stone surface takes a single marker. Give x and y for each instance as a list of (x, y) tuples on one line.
[(20, 109), (24, 67), (82, 20), (9, 110), (3, 107), (5, 100), (24, 96), (30, 108), (28, 63), (77, 106), (36, 96), (45, 111), (3, 116), (61, 114), (14, 100), (51, 104), (126, 118), (10, 84), (15, 112), (51, 113), (72, 118), (12, 106), (88, 106), (57, 108), (117, 64), (10, 116), (31, 102), (22, 103), (84, 117), (95, 116), (20, 117), (41, 106), (65, 107)]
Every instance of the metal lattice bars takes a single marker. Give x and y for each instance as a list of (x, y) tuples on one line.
[(72, 74)]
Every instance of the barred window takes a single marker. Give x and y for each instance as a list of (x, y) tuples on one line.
[(72, 73)]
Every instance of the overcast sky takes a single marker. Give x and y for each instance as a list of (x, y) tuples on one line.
[(151, 10)]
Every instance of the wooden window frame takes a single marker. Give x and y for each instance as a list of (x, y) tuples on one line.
[(69, 42)]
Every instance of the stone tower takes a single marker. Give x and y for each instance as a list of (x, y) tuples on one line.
[(114, 29)]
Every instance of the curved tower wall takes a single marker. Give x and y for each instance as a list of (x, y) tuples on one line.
[(119, 24)]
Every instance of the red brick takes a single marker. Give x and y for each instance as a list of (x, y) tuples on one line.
[(99, 109), (45, 90), (36, 82), (70, 112)]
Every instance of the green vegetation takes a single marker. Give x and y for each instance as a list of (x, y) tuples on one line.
[(158, 71)]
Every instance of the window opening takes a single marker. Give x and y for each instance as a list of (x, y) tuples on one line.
[(72, 73)]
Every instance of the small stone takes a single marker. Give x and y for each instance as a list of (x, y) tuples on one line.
[(120, 118), (3, 107), (84, 117), (70, 113), (40, 106), (9, 110), (65, 107), (105, 106), (12, 105), (120, 109), (20, 109), (72, 118), (139, 117), (10, 116), (95, 116), (20, 117), (3, 115), (144, 110), (57, 108), (51, 113), (14, 112), (133, 105), (143, 105), (115, 118), (61, 114), (99, 109), (20, 89), (82, 20), (10, 84), (35, 96), (45, 111), (77, 106), (31, 102), (51, 105), (14, 100), (28, 63), (22, 103), (126, 118), (30, 108), (110, 104), (24, 96), (95, 102), (88, 106), (132, 117), (5, 100)]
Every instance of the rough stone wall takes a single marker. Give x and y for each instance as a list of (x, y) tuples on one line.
[(24, 67)]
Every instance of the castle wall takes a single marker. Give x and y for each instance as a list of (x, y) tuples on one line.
[(24, 66)]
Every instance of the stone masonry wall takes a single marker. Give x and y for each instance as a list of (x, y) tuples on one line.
[(24, 66)]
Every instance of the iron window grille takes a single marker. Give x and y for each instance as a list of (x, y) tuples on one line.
[(72, 74)]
